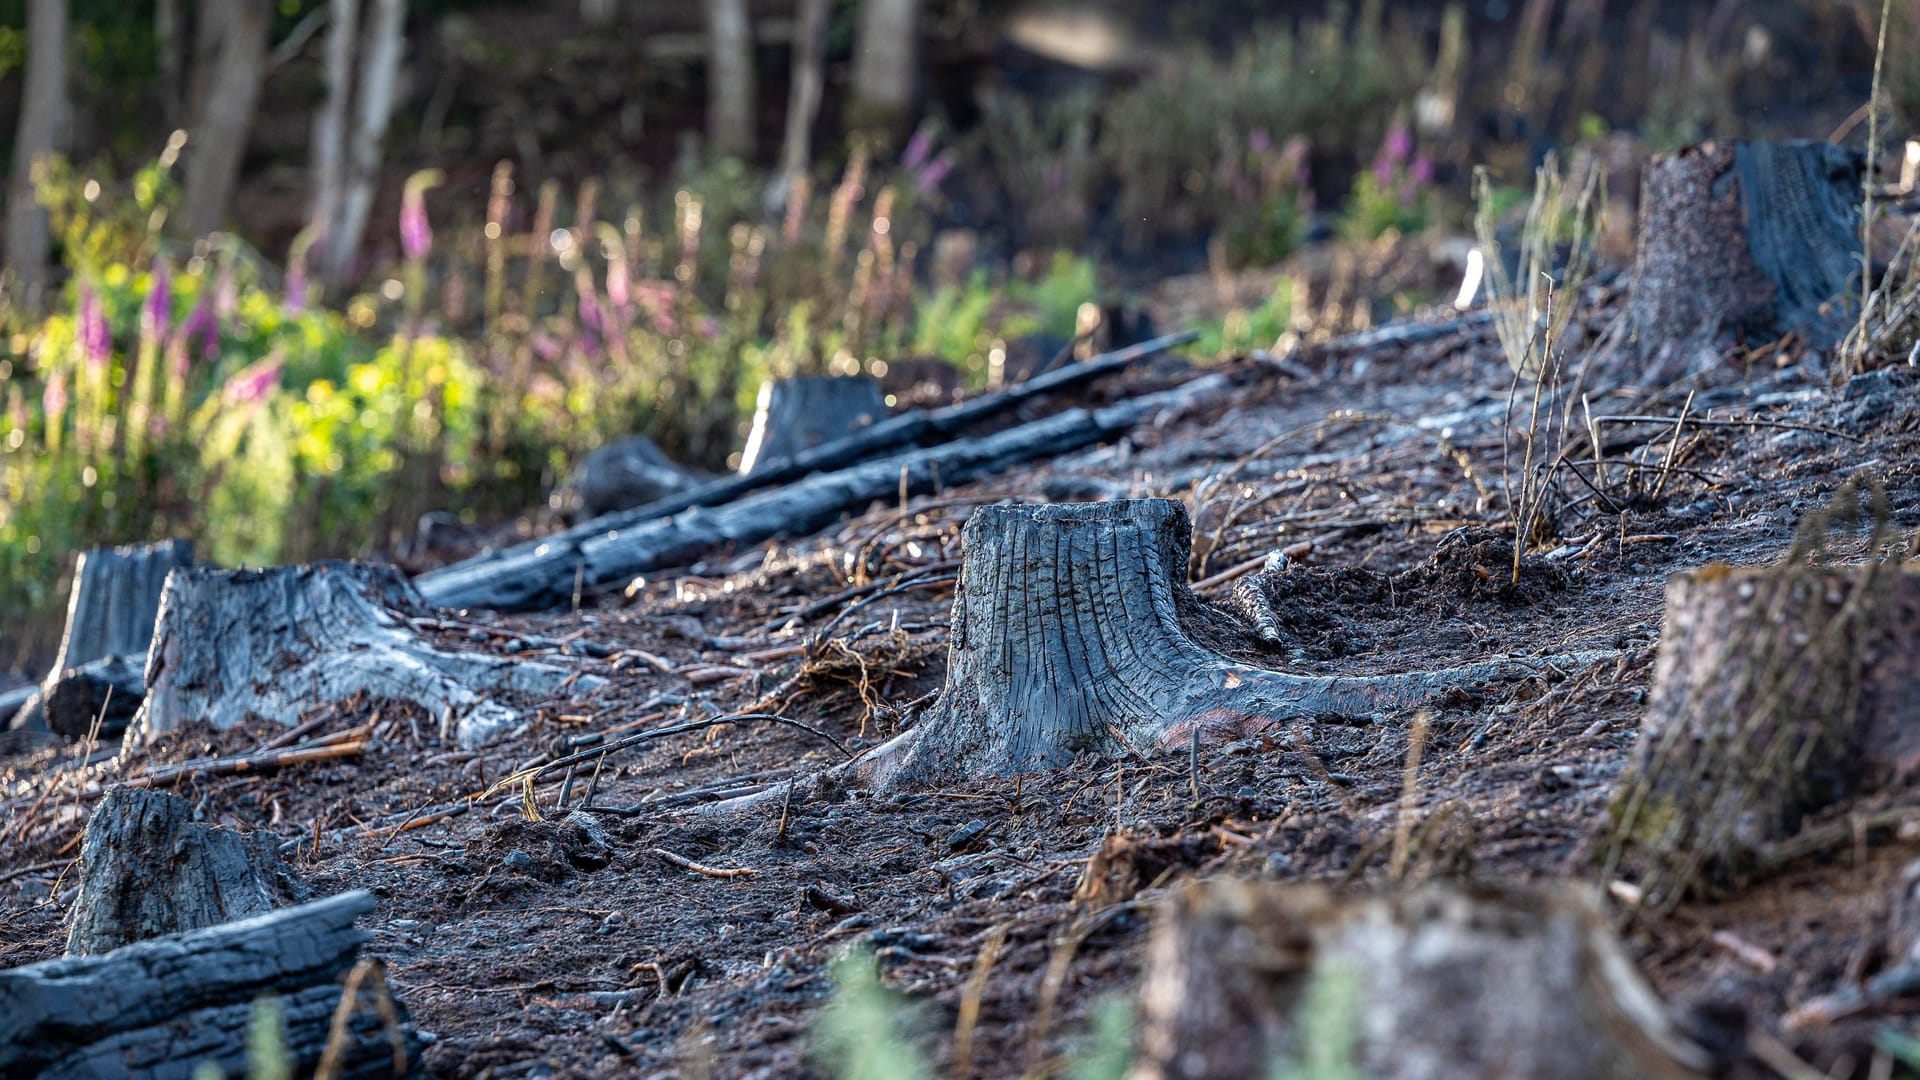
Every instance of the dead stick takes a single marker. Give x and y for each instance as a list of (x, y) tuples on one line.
[(685, 863)]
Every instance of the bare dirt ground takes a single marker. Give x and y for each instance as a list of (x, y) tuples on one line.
[(537, 947)]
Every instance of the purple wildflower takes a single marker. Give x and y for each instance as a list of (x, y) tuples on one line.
[(297, 285), (226, 294), (919, 148), (416, 236), (1398, 146), (1259, 142), (936, 172), (96, 337), (1422, 171), (251, 384), (54, 398), (156, 316), (203, 326), (619, 286), (591, 315)]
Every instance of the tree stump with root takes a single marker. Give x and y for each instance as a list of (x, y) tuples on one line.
[(1777, 692), (172, 1005), (147, 869), (1757, 238), (275, 643), (1074, 632), (110, 615), (799, 414), (1245, 979)]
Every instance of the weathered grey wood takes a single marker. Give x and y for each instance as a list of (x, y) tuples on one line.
[(807, 412), (622, 475), (279, 642), (148, 869), (541, 573), (1246, 979), (1073, 622), (1755, 238), (1777, 691), (11, 701), (165, 1006), (108, 690)]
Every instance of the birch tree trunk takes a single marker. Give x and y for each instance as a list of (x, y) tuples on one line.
[(803, 96), (371, 113), (43, 126), (220, 127), (330, 125), (730, 85), (885, 52)]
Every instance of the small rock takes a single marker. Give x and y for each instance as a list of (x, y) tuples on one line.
[(517, 860), (966, 835)]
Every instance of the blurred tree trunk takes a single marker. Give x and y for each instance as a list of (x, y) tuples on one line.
[(803, 98), (43, 128), (166, 41), (218, 136), (730, 87), (599, 12), (352, 126), (885, 51)]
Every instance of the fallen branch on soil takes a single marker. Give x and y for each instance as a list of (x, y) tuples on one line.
[(821, 484), (685, 863)]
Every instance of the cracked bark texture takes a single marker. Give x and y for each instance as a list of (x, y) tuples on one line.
[(1439, 982), (1073, 633), (168, 1006), (800, 414), (277, 643), (147, 869)]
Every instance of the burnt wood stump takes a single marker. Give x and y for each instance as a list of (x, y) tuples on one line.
[(148, 869), (623, 474), (110, 615), (1074, 632), (1756, 238), (275, 643), (801, 413), (168, 1006), (1777, 692), (1245, 980)]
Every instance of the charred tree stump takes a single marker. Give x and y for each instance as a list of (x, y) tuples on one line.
[(275, 643), (167, 1006), (1757, 238), (1777, 692), (621, 475), (799, 414), (98, 698), (147, 869), (110, 613), (1244, 979), (1074, 632)]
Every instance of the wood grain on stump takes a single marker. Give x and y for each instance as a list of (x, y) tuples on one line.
[(1757, 238), (279, 642), (1074, 632), (1777, 692), (148, 869), (801, 413), (1246, 979), (168, 1006)]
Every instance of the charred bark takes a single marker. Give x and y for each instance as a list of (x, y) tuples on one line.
[(147, 869), (1760, 239), (167, 1006), (1074, 632), (622, 475), (275, 643), (1243, 979), (110, 614), (614, 547), (795, 415), (1777, 692)]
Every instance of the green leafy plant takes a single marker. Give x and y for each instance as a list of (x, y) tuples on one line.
[(864, 1031)]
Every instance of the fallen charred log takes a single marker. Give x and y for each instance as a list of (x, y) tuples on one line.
[(147, 869), (623, 474), (801, 414), (276, 643), (1757, 238), (1243, 979), (542, 573), (97, 699), (169, 1006), (1074, 632)]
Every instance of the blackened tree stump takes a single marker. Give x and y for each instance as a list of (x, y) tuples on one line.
[(1074, 633), (1244, 979), (1760, 239), (110, 614), (622, 475), (799, 414), (147, 869), (275, 643), (167, 1006), (1777, 692)]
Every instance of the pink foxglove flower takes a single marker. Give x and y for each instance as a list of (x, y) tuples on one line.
[(919, 148), (54, 398), (416, 235), (251, 384), (203, 326), (96, 337), (156, 316)]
